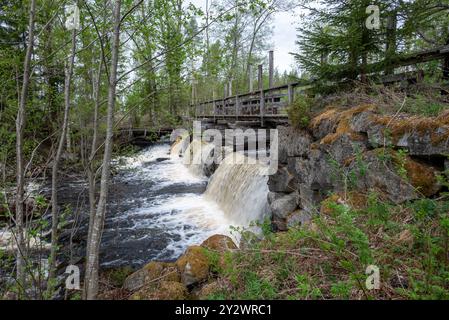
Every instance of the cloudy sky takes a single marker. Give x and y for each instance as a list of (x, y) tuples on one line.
[(284, 36)]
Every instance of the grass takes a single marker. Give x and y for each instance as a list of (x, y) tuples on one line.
[(327, 258)]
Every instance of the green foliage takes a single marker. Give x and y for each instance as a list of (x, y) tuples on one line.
[(117, 276), (300, 111)]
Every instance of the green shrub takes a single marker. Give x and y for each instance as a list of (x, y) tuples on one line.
[(299, 112)]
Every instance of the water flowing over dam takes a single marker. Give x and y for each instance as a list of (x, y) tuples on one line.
[(165, 202)]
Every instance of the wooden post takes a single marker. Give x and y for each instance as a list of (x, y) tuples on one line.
[(291, 94), (237, 106), (250, 78), (262, 95), (271, 68), (214, 105), (391, 41), (230, 88)]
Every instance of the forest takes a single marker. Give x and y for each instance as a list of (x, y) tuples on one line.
[(82, 78)]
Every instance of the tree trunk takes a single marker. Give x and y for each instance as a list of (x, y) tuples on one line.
[(91, 165), (93, 247), (57, 159), (20, 125)]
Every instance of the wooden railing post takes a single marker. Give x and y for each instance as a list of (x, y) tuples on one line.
[(214, 105), (270, 68), (262, 95), (237, 106), (291, 94), (250, 78)]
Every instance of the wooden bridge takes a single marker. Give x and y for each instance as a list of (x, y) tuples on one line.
[(268, 106)]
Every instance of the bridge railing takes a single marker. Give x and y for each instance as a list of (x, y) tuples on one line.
[(273, 101)]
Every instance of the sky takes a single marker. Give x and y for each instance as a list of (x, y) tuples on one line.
[(284, 37)]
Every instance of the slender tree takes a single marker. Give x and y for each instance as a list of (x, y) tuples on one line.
[(20, 125), (93, 247)]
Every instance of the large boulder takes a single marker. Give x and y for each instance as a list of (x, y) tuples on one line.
[(398, 179), (344, 147), (315, 171), (219, 242), (281, 181), (166, 290), (292, 143), (336, 121), (281, 207), (151, 273), (193, 266), (421, 136)]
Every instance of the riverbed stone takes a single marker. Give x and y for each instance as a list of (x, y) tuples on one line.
[(166, 290), (193, 266), (151, 273), (220, 243)]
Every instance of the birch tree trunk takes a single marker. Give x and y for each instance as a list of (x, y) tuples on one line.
[(57, 159), (93, 247), (20, 125), (91, 165)]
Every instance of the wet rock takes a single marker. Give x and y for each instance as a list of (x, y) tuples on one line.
[(285, 205), (220, 243), (281, 181), (166, 290), (151, 273), (273, 196), (193, 266)]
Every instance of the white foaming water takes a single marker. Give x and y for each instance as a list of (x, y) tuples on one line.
[(164, 216), (240, 189), (185, 218), (173, 171)]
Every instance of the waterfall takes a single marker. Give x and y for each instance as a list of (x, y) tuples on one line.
[(240, 190), (238, 186), (198, 157)]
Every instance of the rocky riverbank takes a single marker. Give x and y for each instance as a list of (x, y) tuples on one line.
[(399, 157), (344, 164)]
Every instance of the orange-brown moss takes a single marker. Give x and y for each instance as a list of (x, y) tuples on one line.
[(423, 125), (354, 199), (342, 122), (422, 177)]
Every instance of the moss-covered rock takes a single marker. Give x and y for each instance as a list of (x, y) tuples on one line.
[(193, 265), (219, 242), (166, 290), (153, 272)]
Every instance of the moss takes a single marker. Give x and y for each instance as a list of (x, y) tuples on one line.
[(342, 122), (399, 126), (193, 265), (161, 270), (166, 290), (422, 177)]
